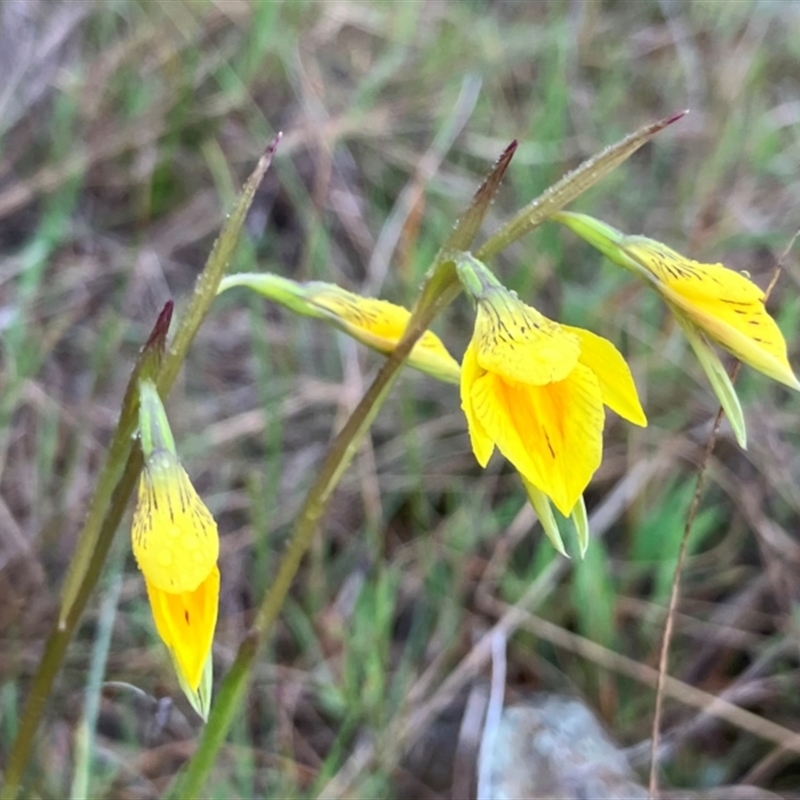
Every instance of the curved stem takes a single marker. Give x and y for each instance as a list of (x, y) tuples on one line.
[(663, 658), (440, 290)]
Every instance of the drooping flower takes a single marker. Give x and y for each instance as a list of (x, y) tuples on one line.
[(176, 545), (536, 390), (709, 301), (378, 324)]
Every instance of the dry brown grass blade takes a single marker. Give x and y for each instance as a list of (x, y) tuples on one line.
[(689, 695), (673, 601)]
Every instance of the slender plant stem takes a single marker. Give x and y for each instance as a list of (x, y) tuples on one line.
[(663, 659), (439, 290), (341, 453), (205, 289), (116, 482)]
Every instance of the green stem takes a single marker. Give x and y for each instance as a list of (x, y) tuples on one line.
[(440, 289), (341, 453), (116, 482)]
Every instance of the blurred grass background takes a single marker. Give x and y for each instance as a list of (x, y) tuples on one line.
[(126, 129)]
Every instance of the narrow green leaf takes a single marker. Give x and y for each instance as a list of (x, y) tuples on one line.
[(571, 186), (468, 224)]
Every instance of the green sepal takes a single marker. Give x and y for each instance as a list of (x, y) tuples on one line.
[(200, 700), (717, 375), (475, 277), (544, 511), (466, 228), (580, 519), (154, 431), (605, 238)]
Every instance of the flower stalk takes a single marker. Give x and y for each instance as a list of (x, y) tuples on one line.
[(440, 289)]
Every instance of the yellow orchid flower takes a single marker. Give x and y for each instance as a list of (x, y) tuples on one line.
[(176, 545), (536, 390), (378, 324), (709, 301)]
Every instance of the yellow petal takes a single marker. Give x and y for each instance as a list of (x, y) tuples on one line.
[(616, 382), (517, 342), (725, 304), (746, 330), (552, 434), (482, 445), (380, 320), (174, 536), (691, 278), (380, 324), (430, 355), (185, 621)]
